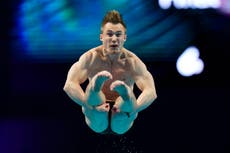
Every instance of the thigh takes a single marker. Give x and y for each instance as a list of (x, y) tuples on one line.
[(121, 122), (96, 120)]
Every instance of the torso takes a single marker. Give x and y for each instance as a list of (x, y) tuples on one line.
[(121, 69)]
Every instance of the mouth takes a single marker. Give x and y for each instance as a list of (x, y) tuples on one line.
[(114, 46)]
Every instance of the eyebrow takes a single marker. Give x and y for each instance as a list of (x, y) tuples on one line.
[(114, 32)]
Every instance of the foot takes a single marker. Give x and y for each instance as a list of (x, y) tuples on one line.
[(99, 79), (127, 101), (121, 88)]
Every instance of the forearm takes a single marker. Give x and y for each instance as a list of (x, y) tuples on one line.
[(145, 99), (75, 92)]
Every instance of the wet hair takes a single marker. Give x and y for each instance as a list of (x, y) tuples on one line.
[(113, 17)]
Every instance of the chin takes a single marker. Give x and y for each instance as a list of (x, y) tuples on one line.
[(114, 50)]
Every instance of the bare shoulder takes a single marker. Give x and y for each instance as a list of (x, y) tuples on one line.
[(82, 65), (88, 57), (136, 62), (132, 56)]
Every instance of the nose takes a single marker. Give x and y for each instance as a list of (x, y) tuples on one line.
[(114, 38)]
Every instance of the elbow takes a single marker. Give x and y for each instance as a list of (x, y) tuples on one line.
[(153, 95), (66, 87)]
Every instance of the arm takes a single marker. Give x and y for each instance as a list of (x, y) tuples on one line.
[(145, 83), (77, 74)]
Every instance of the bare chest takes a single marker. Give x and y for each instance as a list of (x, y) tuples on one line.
[(120, 71)]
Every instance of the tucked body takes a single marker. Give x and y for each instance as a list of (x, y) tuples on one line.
[(112, 71)]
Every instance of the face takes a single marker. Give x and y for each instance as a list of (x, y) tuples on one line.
[(113, 37)]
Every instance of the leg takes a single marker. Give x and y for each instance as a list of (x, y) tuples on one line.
[(97, 117), (127, 100), (121, 122), (94, 94), (123, 111)]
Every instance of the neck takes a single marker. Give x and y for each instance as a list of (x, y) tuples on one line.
[(112, 56)]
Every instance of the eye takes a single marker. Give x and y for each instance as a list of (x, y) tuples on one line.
[(110, 34), (118, 34)]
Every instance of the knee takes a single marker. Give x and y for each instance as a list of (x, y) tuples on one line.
[(98, 128), (121, 130), (121, 123)]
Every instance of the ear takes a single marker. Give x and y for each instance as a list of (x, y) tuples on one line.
[(101, 37), (125, 37)]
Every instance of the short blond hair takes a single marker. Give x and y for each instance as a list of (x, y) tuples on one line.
[(113, 17)]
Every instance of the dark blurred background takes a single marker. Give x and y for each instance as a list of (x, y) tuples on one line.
[(42, 39)]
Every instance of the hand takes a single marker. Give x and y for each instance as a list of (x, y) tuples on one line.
[(99, 79), (116, 108), (103, 108)]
